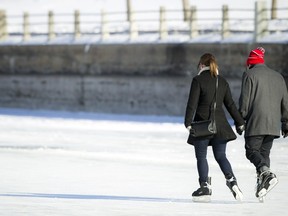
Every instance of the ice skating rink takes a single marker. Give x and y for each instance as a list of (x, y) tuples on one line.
[(60, 163)]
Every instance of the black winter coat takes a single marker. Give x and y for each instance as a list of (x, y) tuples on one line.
[(201, 97)]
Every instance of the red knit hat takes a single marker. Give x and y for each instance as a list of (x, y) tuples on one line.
[(256, 56)]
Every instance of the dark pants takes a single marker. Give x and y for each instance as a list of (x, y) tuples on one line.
[(258, 150), (219, 152)]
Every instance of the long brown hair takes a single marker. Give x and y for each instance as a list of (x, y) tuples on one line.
[(209, 60)]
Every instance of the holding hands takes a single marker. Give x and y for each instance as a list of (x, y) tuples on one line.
[(240, 129)]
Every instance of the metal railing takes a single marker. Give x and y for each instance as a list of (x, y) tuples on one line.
[(156, 25)]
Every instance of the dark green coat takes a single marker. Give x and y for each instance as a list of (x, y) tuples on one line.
[(200, 98)]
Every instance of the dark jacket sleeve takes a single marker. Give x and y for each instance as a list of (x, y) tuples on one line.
[(231, 107), (244, 99), (192, 102), (284, 105)]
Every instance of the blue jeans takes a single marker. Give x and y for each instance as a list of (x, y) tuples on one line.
[(219, 152)]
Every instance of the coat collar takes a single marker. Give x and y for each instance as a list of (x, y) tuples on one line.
[(205, 69), (256, 65)]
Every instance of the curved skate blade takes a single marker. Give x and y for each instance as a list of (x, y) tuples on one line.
[(238, 194), (204, 199), (262, 199), (263, 192), (273, 182)]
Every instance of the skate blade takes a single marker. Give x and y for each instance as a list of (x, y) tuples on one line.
[(262, 193), (239, 194), (261, 199), (272, 183), (204, 199)]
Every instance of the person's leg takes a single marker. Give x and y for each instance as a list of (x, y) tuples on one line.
[(203, 193), (266, 148), (201, 156), (258, 152), (219, 152), (253, 145)]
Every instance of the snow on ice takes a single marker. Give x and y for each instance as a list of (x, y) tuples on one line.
[(62, 163)]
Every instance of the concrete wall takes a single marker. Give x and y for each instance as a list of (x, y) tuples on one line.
[(134, 78), (108, 94)]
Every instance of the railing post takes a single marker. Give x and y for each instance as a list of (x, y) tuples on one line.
[(51, 32), (225, 22), (163, 27), (186, 12), (193, 22), (77, 32), (274, 9), (133, 26), (128, 10), (260, 21), (104, 28), (26, 33), (3, 25)]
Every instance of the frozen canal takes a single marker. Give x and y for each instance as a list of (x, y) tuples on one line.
[(58, 163)]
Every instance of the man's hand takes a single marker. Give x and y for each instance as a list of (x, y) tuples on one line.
[(240, 129), (284, 129)]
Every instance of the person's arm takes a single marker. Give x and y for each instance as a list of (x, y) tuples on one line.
[(233, 111), (192, 102), (284, 113), (245, 95)]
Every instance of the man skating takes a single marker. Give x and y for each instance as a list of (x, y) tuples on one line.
[(263, 104)]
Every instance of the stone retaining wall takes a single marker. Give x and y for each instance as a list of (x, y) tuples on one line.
[(117, 78)]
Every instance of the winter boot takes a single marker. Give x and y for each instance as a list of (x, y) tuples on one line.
[(203, 194), (231, 182), (266, 181)]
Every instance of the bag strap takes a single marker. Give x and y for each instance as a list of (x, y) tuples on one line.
[(215, 101)]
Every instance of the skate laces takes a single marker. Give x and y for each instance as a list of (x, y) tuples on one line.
[(258, 182), (263, 177), (264, 173), (232, 179), (206, 185)]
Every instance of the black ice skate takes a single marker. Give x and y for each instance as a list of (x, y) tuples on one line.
[(266, 181), (233, 186), (203, 194)]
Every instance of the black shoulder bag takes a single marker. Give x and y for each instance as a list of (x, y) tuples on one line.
[(207, 128)]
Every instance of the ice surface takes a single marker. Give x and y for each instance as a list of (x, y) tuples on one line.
[(61, 163)]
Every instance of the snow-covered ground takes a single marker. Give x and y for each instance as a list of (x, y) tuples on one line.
[(66, 6), (241, 15), (61, 163)]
